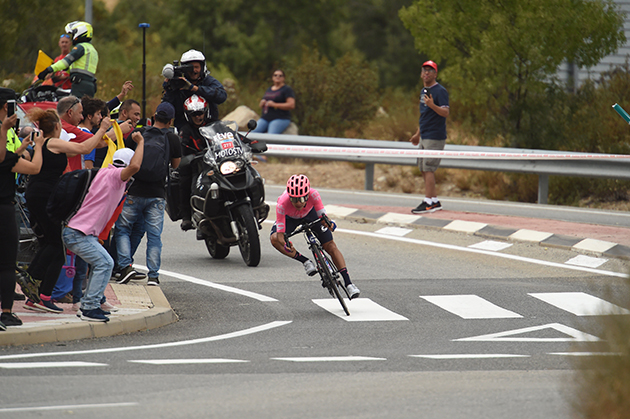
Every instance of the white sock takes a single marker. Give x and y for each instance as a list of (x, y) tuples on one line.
[(435, 200), (427, 200)]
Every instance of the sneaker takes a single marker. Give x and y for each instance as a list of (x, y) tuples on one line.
[(138, 276), (426, 207), (10, 319), (105, 312), (115, 276), (94, 315), (126, 274), (29, 286), (32, 305), (75, 306), (353, 291), (19, 297), (109, 307), (50, 307), (2, 327), (66, 299), (153, 282), (310, 268)]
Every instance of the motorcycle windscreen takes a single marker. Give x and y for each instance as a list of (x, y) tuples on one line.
[(222, 140)]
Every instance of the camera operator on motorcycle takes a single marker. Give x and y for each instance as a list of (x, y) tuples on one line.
[(189, 78), (298, 204), (197, 114)]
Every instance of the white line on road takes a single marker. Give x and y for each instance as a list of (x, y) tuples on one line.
[(186, 361), (580, 303), (470, 356), (585, 353), (230, 335), (361, 310), (513, 335), (470, 307), (331, 359), (66, 407), (203, 282), (69, 364)]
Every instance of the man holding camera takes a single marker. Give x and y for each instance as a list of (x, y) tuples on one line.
[(191, 77)]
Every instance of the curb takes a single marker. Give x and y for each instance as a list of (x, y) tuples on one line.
[(577, 244), (158, 313)]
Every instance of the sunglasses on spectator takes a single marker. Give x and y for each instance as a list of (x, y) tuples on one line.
[(301, 199), (65, 35)]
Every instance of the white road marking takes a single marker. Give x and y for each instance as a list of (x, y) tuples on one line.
[(203, 282), (186, 361), (470, 307), (580, 303), (230, 335), (470, 356), (69, 364), (66, 407), (583, 260), (394, 231), (491, 245), (331, 359), (585, 353), (361, 310), (510, 335)]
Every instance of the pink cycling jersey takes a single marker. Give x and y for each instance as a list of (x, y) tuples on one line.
[(285, 208)]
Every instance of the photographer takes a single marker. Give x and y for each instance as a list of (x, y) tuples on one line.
[(191, 78)]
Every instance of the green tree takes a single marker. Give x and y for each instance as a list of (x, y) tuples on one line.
[(501, 56)]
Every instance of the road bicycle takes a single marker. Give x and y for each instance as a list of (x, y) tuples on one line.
[(325, 267)]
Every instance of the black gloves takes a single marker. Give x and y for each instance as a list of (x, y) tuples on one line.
[(44, 73)]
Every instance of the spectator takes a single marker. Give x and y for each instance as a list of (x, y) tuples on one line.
[(276, 106), (50, 257), (82, 60), (146, 195), (198, 82), (81, 234), (11, 163), (62, 78), (431, 133), (92, 116), (117, 100), (128, 117)]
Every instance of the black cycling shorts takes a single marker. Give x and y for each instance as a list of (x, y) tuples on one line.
[(322, 232)]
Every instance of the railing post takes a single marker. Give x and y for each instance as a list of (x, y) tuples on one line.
[(543, 188), (369, 176)]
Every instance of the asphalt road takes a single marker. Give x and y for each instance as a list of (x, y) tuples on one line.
[(441, 330)]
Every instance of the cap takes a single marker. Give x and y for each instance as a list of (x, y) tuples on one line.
[(123, 157), (165, 110), (430, 64), (7, 94)]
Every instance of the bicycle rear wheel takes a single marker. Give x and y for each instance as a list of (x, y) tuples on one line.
[(328, 277)]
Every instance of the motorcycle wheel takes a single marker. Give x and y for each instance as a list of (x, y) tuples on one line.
[(216, 250), (248, 242)]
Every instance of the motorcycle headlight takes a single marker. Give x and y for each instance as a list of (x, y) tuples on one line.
[(229, 167)]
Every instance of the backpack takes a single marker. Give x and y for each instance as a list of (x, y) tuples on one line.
[(155, 162), (69, 193)]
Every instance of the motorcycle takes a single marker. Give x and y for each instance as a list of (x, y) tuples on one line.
[(228, 196)]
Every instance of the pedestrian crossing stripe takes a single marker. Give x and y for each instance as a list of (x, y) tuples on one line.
[(513, 335), (361, 310), (580, 303), (470, 307)]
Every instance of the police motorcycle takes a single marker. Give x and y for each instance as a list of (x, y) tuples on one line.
[(228, 195)]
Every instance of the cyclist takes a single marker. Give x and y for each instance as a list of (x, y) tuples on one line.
[(300, 203)]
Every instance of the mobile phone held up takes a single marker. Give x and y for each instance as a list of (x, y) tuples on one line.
[(10, 107), (426, 92)]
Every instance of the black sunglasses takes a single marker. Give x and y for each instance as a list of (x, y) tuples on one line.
[(301, 199)]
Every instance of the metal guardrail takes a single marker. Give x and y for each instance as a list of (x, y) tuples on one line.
[(601, 168)]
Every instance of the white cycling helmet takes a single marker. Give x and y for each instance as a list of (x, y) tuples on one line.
[(194, 55), (80, 31)]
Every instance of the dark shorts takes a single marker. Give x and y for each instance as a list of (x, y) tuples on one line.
[(322, 232)]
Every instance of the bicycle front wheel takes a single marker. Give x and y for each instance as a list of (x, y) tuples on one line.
[(328, 277)]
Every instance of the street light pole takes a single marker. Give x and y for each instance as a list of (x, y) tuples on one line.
[(144, 27)]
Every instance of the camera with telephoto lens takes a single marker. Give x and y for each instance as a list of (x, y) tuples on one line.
[(174, 71)]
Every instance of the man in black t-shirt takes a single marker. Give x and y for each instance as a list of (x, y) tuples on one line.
[(146, 197)]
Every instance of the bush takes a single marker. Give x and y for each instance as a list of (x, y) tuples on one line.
[(333, 99)]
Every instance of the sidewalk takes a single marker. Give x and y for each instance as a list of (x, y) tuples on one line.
[(143, 307), (140, 308)]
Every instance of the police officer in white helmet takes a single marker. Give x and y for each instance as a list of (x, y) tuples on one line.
[(196, 80)]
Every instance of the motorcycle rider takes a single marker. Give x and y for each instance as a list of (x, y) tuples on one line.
[(196, 82), (197, 114), (82, 60), (301, 203)]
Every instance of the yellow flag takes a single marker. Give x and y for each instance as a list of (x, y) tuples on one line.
[(43, 61), (113, 146)]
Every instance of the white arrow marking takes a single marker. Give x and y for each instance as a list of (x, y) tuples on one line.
[(509, 336)]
